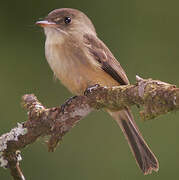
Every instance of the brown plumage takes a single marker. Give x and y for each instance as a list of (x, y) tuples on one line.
[(80, 59)]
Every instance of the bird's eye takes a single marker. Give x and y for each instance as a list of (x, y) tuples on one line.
[(67, 20)]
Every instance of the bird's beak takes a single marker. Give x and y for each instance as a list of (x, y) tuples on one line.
[(45, 23)]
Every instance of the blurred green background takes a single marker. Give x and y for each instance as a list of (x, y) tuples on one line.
[(144, 35)]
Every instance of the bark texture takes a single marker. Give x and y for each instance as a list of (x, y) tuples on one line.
[(154, 96)]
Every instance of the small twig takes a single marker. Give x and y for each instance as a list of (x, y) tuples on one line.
[(13, 165), (41, 122), (155, 96)]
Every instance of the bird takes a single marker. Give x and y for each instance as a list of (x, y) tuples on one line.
[(80, 59)]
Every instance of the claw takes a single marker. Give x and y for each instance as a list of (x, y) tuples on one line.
[(66, 103), (91, 88)]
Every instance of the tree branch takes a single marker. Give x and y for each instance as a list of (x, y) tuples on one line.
[(154, 96)]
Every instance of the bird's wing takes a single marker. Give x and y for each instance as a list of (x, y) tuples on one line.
[(100, 53)]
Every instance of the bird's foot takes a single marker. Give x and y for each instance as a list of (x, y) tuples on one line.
[(91, 88), (67, 103)]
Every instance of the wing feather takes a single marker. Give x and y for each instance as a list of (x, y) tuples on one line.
[(105, 58)]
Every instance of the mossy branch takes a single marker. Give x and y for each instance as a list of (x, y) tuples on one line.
[(154, 96)]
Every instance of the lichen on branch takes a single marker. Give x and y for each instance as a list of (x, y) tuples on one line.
[(154, 96)]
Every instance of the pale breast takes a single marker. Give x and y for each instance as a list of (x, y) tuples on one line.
[(73, 67)]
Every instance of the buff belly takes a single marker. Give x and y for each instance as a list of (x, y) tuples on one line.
[(74, 69)]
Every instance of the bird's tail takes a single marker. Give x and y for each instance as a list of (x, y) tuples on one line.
[(145, 159)]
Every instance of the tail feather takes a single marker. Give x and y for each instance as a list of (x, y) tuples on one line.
[(145, 159)]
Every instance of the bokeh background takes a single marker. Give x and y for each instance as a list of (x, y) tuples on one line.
[(143, 35)]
